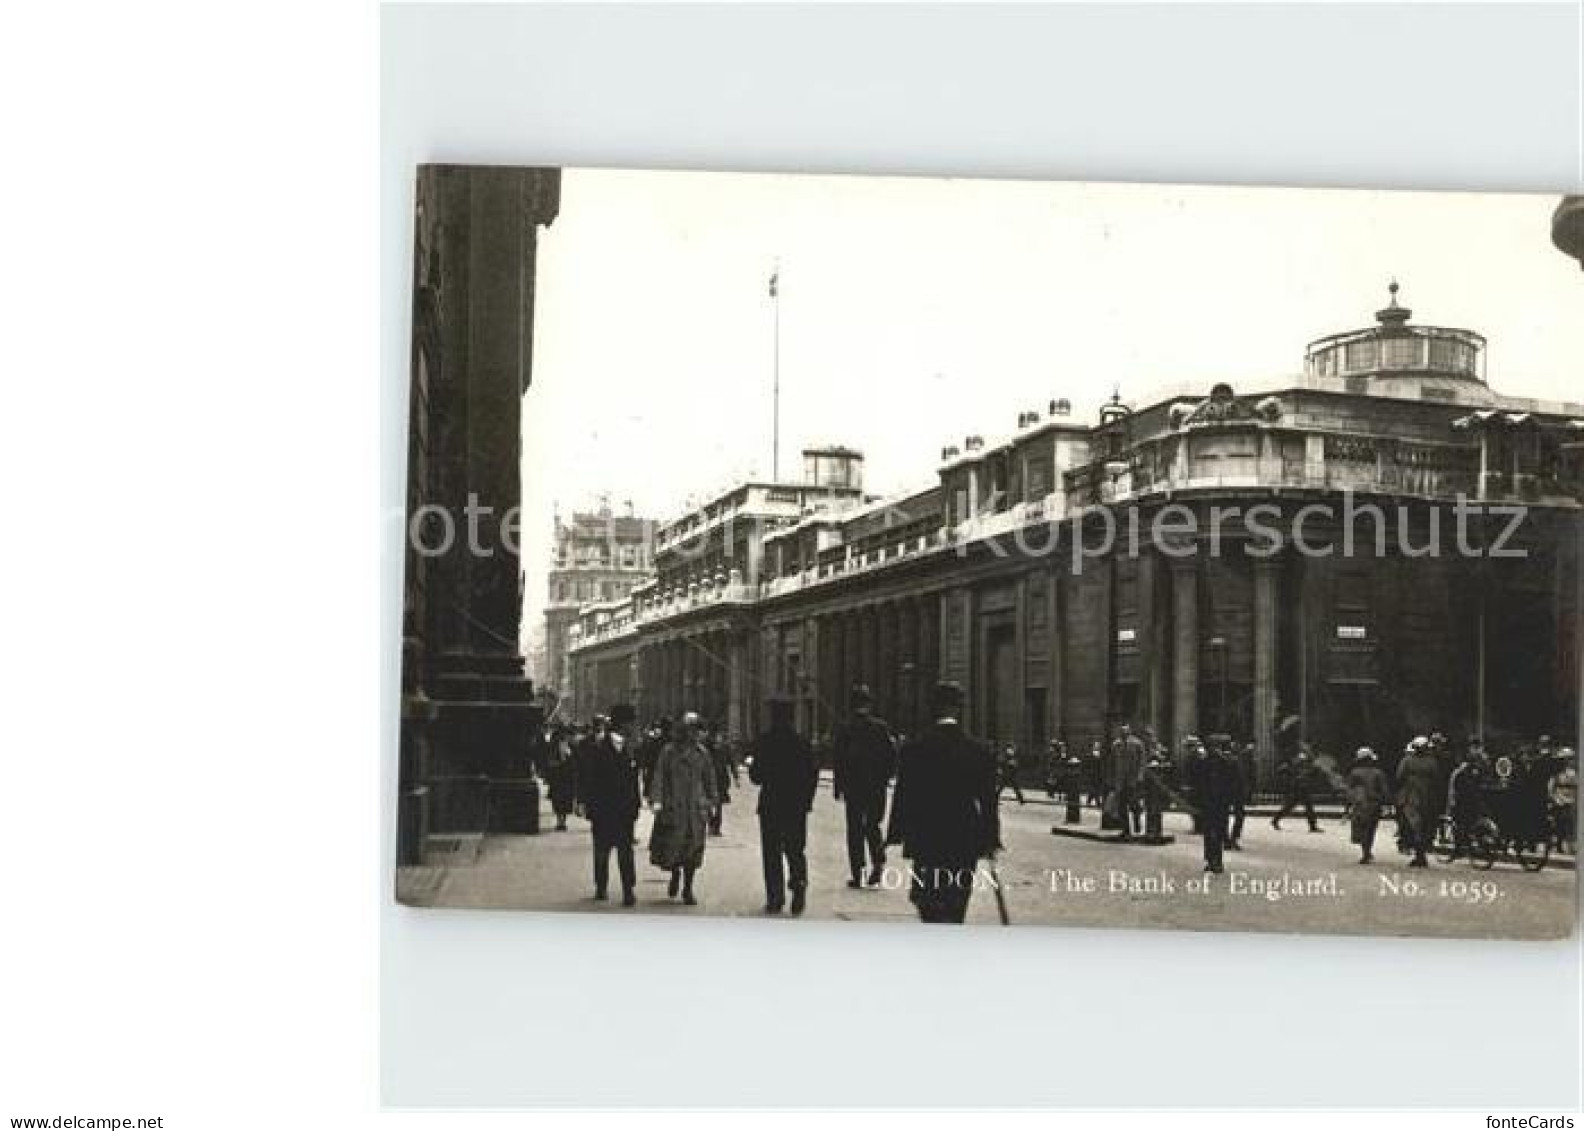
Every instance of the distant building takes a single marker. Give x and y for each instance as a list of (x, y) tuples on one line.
[(998, 574), (597, 557), (711, 565)]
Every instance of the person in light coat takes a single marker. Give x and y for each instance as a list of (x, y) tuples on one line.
[(682, 795)]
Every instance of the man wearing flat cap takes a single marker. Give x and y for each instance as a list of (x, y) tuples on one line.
[(944, 812), (607, 784), (783, 768), (863, 762)]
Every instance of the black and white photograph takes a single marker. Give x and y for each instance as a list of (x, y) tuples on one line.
[(730, 563), (956, 551)]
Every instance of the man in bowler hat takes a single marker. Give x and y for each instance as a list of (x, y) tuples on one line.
[(863, 761), (784, 770), (607, 785), (944, 812)]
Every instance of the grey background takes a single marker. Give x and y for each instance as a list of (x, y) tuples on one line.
[(520, 1009)]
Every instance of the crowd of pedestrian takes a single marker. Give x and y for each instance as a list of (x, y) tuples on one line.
[(1428, 787), (943, 808), (942, 787)]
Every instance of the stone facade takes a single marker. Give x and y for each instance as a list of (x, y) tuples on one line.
[(1017, 572)]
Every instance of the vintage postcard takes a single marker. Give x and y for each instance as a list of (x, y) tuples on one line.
[(996, 552)]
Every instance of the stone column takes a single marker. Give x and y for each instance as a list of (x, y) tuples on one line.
[(886, 658), (853, 651), (1267, 573), (1058, 663), (704, 654), (813, 674), (1185, 650), (908, 689), (1154, 673), (665, 700), (737, 689), (678, 674), (831, 665), (709, 676), (721, 665), (866, 646), (686, 700), (929, 654)]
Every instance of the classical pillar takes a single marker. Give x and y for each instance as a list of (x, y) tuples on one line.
[(867, 663), (929, 654), (853, 651), (1154, 674), (831, 666), (710, 672), (705, 655), (886, 658), (721, 664), (1267, 574), (1185, 650), (908, 689), (1058, 659), (678, 676), (813, 673), (836, 648), (736, 714), (689, 698)]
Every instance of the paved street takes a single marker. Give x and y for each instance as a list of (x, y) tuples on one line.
[(1288, 880)]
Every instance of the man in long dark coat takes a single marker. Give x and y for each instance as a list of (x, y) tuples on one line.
[(1215, 785), (783, 768), (607, 785), (863, 761), (944, 812)]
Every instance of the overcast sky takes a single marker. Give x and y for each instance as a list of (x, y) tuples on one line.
[(916, 311)]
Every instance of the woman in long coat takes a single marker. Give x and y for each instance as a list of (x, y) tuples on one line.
[(1419, 794), (1368, 793), (682, 794)]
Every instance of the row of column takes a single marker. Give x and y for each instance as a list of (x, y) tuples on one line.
[(892, 647), (699, 671), (1185, 655)]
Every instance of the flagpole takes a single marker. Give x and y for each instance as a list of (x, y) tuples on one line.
[(775, 392)]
